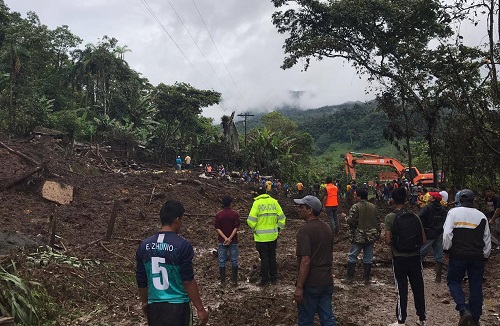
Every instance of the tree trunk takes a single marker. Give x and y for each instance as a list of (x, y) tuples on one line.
[(430, 142)]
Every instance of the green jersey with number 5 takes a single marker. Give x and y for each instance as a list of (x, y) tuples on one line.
[(164, 261)]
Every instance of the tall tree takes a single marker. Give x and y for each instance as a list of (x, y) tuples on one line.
[(178, 107), (388, 40)]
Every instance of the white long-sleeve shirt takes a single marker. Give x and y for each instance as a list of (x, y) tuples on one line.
[(466, 233)]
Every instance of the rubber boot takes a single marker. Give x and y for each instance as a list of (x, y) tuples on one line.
[(222, 272), (234, 276), (439, 272), (350, 273), (367, 268)]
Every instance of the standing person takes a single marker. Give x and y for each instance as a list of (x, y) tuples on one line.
[(406, 264), (364, 223), (314, 287), (269, 185), (423, 198), (443, 193), (300, 188), (187, 159), (387, 193), (457, 196), (227, 223), (165, 276), (349, 193), (467, 241), (178, 162), (331, 204), (266, 219), (492, 209), (433, 216), (414, 193)]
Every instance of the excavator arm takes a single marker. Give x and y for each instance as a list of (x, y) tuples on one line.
[(352, 159)]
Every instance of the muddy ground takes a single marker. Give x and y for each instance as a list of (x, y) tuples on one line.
[(92, 281)]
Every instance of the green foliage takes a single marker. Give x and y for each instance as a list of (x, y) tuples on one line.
[(278, 148), (428, 90), (26, 300), (178, 109)]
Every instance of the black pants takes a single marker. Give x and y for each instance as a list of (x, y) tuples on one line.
[(170, 314), (409, 268), (268, 265)]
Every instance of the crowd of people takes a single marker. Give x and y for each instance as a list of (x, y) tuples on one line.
[(460, 235)]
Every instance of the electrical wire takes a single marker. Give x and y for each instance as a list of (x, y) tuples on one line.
[(151, 11), (227, 69), (194, 41)]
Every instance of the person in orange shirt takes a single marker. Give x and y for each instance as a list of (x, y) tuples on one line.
[(300, 188), (331, 204)]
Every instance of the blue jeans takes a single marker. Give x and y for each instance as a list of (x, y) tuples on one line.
[(317, 299), (356, 249), (437, 249), (331, 212), (223, 251), (475, 272)]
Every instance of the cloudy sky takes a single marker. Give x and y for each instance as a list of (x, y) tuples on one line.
[(244, 64)]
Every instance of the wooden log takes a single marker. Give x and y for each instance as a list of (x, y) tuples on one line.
[(7, 321), (52, 227), (112, 220), (193, 181), (26, 157), (151, 197), (24, 177)]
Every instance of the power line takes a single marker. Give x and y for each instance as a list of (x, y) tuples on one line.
[(144, 2), (227, 69), (194, 41)]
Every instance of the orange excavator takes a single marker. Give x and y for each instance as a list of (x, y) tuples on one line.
[(352, 159)]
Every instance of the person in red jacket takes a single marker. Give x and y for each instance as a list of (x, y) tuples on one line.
[(227, 222)]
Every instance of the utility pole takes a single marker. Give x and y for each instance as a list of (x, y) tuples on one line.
[(245, 115)]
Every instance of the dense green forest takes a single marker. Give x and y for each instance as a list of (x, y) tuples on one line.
[(436, 101), (358, 124)]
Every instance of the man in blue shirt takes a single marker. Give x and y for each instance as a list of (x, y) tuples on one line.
[(178, 163), (165, 275)]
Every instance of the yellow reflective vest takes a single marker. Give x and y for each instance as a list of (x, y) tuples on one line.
[(265, 217)]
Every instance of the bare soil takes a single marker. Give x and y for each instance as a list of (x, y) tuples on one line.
[(92, 281)]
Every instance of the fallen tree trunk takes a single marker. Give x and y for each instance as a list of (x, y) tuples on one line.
[(26, 157), (6, 321), (196, 182), (24, 177)]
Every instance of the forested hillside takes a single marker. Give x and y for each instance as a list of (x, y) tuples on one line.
[(357, 124), (437, 105)]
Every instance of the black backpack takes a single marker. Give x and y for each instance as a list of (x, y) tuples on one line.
[(406, 232)]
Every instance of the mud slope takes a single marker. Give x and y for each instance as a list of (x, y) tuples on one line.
[(92, 281)]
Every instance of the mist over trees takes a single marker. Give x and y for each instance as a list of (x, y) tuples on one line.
[(437, 98), (430, 83)]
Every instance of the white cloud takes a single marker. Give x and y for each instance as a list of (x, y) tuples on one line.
[(250, 46)]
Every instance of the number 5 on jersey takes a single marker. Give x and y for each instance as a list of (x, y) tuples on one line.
[(160, 282)]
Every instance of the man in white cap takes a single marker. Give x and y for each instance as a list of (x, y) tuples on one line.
[(314, 287)]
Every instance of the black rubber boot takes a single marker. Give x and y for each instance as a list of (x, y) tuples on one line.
[(350, 273), (234, 276), (222, 272), (367, 268), (439, 272)]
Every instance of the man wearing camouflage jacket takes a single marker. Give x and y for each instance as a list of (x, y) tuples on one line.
[(364, 224)]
